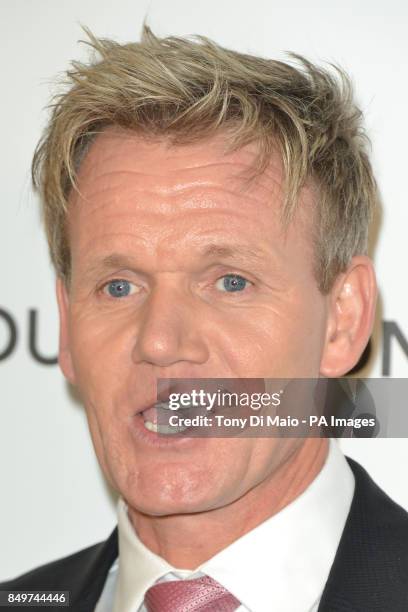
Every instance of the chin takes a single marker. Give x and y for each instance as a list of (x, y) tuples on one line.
[(165, 506), (160, 496)]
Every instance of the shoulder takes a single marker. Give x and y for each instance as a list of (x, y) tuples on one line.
[(375, 512), (370, 570), (82, 573), (52, 575)]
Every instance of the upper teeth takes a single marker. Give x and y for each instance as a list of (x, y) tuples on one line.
[(163, 429)]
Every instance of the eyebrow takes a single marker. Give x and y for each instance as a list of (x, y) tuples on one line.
[(211, 251), (110, 262), (238, 250)]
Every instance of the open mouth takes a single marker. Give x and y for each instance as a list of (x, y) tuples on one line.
[(193, 402)]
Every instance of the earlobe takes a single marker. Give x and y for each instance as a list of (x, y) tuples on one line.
[(351, 317), (64, 352)]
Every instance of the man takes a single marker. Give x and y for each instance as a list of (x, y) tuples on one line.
[(207, 214)]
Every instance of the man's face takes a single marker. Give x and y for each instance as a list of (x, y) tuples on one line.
[(181, 269)]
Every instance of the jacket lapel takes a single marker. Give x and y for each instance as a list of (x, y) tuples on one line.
[(91, 573)]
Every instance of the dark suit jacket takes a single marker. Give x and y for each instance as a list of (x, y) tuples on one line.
[(369, 572)]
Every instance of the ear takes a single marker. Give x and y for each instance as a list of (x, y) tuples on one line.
[(351, 317), (64, 353)]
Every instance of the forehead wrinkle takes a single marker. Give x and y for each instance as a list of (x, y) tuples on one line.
[(161, 176), (210, 197), (203, 188), (107, 148), (95, 160), (174, 180), (112, 142)]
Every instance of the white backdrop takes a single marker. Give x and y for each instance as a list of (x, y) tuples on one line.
[(54, 500)]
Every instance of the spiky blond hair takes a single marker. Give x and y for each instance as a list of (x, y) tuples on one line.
[(187, 89)]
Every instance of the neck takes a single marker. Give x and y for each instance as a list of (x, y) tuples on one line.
[(187, 540)]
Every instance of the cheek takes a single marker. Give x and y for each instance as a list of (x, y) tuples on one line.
[(285, 340), (100, 352), (100, 348)]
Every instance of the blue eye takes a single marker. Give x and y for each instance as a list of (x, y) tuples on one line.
[(118, 288), (231, 283)]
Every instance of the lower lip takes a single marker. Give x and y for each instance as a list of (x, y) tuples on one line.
[(161, 440)]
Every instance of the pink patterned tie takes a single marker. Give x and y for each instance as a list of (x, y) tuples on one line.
[(200, 594)]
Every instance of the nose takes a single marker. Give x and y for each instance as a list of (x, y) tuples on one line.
[(169, 330)]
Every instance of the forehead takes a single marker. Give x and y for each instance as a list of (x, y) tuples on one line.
[(117, 155), (152, 190)]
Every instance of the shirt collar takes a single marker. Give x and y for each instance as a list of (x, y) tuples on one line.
[(282, 564), (139, 567)]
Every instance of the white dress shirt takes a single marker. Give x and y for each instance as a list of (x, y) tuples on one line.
[(282, 564)]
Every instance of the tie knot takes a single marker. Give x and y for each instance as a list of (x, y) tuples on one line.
[(202, 594)]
